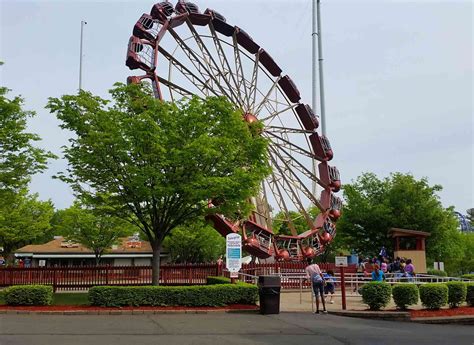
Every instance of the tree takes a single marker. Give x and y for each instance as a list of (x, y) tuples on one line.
[(23, 220), (373, 206), (19, 158), (195, 242), (157, 164), (91, 228)]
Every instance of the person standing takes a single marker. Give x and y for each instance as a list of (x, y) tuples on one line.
[(313, 272), (410, 269)]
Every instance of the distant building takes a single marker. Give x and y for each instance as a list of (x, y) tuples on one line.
[(130, 251)]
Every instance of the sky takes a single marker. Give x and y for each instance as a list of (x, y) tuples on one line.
[(398, 76)]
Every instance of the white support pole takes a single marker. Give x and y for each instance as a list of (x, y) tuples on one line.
[(314, 84), (321, 79), (80, 55)]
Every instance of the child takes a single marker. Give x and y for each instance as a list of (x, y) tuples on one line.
[(330, 284)]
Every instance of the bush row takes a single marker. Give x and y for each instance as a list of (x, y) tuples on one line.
[(195, 296), (433, 295), (28, 295), (217, 280), (435, 272)]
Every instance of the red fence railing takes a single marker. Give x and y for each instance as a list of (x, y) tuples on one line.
[(84, 277)]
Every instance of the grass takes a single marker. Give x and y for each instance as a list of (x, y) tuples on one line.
[(63, 299)]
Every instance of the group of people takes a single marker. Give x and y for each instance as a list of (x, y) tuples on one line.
[(378, 267)]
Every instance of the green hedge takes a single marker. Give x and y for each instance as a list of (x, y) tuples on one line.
[(439, 273), (405, 295), (470, 294), (376, 294), (217, 280), (195, 296), (468, 276), (456, 293), (434, 295), (28, 295)]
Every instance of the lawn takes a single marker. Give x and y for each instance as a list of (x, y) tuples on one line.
[(67, 298)]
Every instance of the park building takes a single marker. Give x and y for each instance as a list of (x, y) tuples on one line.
[(128, 251)]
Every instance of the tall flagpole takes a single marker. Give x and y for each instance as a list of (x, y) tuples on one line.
[(80, 55)]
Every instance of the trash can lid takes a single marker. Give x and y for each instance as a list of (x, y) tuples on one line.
[(269, 281)]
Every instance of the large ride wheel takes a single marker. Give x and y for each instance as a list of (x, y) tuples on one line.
[(186, 52)]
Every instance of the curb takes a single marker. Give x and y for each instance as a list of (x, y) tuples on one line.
[(121, 312), (380, 315), (405, 316)]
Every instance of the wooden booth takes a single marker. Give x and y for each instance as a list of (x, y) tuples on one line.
[(410, 244)]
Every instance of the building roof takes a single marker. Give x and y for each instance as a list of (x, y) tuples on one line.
[(59, 245), (396, 232)]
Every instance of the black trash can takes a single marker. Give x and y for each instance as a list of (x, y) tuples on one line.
[(269, 294)]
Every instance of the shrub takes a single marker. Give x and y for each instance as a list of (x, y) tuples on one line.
[(195, 296), (217, 280), (439, 273), (468, 276), (28, 295), (470, 294), (456, 293), (434, 295), (376, 294), (405, 295)]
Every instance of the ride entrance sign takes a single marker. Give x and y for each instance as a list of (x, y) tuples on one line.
[(234, 252)]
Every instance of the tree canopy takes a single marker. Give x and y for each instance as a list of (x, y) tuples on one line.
[(157, 164), (194, 242), (374, 205), (19, 158), (23, 220), (91, 228)]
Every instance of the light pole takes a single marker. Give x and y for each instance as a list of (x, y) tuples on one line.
[(80, 55)]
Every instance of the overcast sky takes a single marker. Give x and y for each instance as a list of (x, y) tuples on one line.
[(398, 76)]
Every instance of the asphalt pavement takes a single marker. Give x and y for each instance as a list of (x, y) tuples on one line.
[(222, 328)]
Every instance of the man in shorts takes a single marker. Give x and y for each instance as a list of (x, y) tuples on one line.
[(313, 272)]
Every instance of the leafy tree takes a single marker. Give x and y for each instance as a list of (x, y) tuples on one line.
[(23, 220), (156, 164), (22, 217), (19, 158), (91, 228), (194, 242), (374, 205)]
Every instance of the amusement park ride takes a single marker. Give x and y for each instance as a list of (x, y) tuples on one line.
[(186, 52)]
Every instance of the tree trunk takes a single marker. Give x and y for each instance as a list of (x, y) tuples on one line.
[(97, 259), (155, 276)]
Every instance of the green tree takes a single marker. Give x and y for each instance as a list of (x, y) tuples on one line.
[(91, 228), (19, 158), (375, 205), (195, 242), (23, 220), (157, 164)]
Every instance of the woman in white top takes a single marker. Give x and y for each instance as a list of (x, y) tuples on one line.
[(313, 272)]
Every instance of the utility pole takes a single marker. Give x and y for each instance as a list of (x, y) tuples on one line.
[(80, 55)]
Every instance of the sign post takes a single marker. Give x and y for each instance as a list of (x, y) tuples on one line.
[(233, 261), (341, 262)]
